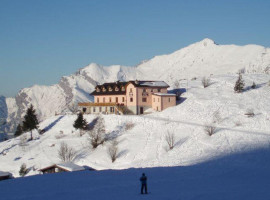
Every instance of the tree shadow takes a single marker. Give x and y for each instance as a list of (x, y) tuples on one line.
[(248, 88), (181, 141), (80, 155), (51, 125), (122, 153), (91, 125), (17, 158), (115, 133)]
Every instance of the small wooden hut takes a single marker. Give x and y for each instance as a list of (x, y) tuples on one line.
[(5, 175), (62, 167)]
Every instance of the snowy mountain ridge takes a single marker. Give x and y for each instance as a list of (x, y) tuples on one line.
[(203, 58), (144, 144)]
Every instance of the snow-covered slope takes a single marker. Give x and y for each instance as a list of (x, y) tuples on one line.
[(145, 145), (199, 59), (239, 176)]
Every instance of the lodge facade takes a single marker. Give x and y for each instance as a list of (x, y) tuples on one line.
[(134, 97)]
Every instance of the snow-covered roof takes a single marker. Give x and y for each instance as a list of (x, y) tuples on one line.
[(164, 94), (153, 83), (5, 173), (69, 166)]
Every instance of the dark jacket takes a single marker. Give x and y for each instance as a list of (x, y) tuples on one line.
[(143, 179)]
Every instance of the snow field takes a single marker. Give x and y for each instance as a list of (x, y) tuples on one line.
[(145, 145)]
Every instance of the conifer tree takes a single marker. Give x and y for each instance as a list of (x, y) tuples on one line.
[(253, 85), (30, 120), (23, 170), (80, 122), (18, 131), (239, 85)]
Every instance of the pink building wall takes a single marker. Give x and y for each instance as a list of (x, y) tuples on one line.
[(161, 102), (106, 99)]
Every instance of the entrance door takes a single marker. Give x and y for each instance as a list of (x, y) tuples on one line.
[(141, 110)]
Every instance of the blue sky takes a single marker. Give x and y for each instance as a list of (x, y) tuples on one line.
[(40, 41)]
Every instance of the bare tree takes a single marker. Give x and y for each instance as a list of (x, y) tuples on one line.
[(217, 117), (113, 150), (176, 84), (97, 133), (170, 139), (242, 71), (66, 153), (129, 126), (210, 129), (250, 112), (23, 141), (238, 123), (205, 82)]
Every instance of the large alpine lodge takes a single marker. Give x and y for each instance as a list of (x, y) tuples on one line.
[(132, 97)]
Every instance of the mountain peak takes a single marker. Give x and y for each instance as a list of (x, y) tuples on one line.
[(207, 42)]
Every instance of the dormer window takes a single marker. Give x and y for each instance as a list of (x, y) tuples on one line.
[(98, 90), (110, 89), (103, 89), (123, 89), (116, 89)]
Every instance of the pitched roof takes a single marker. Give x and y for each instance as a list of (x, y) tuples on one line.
[(153, 84), (68, 166), (5, 174), (110, 85), (164, 94)]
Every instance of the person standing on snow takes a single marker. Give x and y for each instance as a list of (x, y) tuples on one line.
[(143, 180)]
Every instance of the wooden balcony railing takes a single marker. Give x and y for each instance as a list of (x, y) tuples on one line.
[(97, 104)]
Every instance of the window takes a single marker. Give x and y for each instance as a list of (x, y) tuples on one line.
[(169, 99), (123, 99), (123, 88), (111, 109), (158, 89), (116, 99), (151, 90), (154, 99), (84, 109), (110, 88), (131, 99), (144, 90), (158, 99), (103, 99), (130, 90), (100, 109), (110, 99), (98, 100), (94, 109), (144, 99)]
